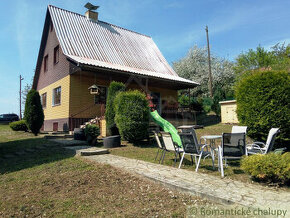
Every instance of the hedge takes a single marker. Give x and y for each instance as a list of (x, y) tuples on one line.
[(271, 167), (33, 113), (132, 115), (19, 125), (114, 89), (263, 103)]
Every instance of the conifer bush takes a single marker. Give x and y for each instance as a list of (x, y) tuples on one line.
[(271, 167), (114, 89), (132, 115), (33, 113), (18, 125), (263, 103)]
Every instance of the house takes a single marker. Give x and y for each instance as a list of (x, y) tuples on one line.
[(79, 51)]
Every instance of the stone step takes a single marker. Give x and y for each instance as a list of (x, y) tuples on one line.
[(90, 152), (87, 150)]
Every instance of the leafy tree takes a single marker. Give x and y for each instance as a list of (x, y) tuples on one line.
[(194, 66), (114, 89), (33, 113), (277, 58)]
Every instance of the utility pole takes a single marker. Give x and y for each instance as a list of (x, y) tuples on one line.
[(20, 112), (209, 65)]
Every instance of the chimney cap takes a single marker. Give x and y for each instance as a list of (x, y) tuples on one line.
[(91, 7)]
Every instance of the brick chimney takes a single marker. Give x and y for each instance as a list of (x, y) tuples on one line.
[(92, 15)]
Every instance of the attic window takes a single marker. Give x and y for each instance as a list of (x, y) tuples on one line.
[(56, 55), (45, 63)]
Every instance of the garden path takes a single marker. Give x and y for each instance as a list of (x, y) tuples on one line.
[(219, 190)]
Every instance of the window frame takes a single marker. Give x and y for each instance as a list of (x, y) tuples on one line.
[(56, 54), (44, 94), (53, 96), (95, 96), (45, 63)]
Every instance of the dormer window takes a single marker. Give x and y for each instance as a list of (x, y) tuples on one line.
[(45, 63), (56, 55)]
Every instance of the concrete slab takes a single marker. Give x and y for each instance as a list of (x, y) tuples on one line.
[(88, 150)]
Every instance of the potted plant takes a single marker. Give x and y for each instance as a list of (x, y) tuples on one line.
[(92, 131)]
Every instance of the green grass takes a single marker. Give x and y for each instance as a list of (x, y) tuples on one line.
[(49, 181), (147, 153)]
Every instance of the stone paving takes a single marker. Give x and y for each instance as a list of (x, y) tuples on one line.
[(218, 190)]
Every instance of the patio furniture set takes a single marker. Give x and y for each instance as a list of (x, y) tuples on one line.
[(233, 146)]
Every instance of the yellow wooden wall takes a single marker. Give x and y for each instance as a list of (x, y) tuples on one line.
[(58, 111), (228, 112), (82, 102)]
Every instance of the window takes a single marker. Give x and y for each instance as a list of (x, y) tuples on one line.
[(56, 96), (56, 55), (43, 100), (45, 63), (101, 98)]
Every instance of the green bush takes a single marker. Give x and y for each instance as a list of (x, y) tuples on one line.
[(263, 103), (132, 115), (92, 131), (268, 168), (33, 113), (183, 100), (207, 104), (19, 125), (114, 89)]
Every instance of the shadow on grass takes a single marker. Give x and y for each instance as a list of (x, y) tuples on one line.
[(207, 119), (21, 154)]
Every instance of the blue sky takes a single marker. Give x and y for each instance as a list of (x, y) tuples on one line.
[(175, 26)]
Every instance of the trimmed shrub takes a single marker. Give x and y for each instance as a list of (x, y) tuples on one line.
[(33, 113), (18, 125), (268, 168), (92, 131), (263, 103), (132, 115), (114, 89)]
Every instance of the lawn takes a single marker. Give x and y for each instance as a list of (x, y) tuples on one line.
[(39, 178), (147, 153)]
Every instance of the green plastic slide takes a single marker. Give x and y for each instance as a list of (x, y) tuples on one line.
[(167, 127)]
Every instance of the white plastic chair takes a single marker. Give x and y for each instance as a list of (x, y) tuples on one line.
[(261, 147), (239, 129)]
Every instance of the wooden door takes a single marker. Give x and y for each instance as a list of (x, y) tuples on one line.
[(55, 127)]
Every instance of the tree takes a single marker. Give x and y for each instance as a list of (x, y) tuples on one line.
[(24, 92), (33, 113), (194, 66), (277, 58)]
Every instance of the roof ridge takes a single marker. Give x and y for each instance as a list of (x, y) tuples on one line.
[(101, 21)]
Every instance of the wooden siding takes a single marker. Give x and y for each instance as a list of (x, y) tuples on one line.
[(82, 102), (228, 112), (62, 110), (57, 71)]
